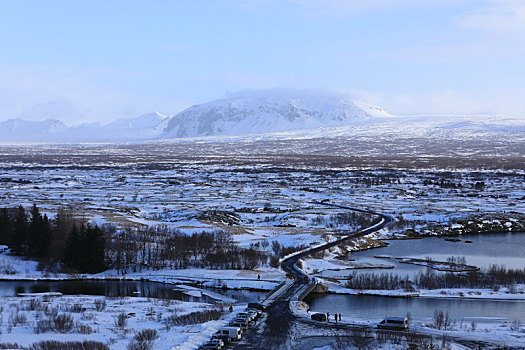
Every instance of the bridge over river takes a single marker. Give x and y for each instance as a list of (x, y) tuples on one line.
[(282, 329)]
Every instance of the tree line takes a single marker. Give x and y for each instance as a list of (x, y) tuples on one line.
[(488, 278), (62, 243), (68, 244)]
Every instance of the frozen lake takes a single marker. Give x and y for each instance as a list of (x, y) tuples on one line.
[(498, 248), (110, 288), (372, 308)]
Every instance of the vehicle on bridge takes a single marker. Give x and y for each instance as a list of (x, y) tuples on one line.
[(399, 323)]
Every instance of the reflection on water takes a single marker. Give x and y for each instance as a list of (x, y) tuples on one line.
[(118, 289), (371, 308), (502, 249), (499, 248)]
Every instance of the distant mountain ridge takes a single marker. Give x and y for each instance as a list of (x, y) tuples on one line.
[(144, 127), (268, 114)]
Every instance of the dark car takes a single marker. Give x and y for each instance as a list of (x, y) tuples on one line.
[(318, 317), (257, 306)]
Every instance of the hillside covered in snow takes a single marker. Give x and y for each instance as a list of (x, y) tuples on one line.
[(274, 114), (144, 127), (268, 112)]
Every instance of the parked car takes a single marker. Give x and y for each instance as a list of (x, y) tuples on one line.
[(257, 311), (242, 319), (246, 315), (318, 316), (210, 346), (217, 341), (242, 324), (231, 333), (253, 314), (393, 323), (257, 306)]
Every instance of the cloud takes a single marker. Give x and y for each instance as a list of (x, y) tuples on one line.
[(75, 94), (494, 31), (500, 17), (508, 102), (338, 8)]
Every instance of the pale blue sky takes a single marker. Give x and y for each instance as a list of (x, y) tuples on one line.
[(110, 59)]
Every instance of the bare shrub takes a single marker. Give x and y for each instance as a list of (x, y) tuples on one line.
[(7, 268), (17, 318), (63, 323), (51, 311), (34, 305), (515, 325), (146, 335), (77, 308), (100, 304), (44, 325), (193, 318), (84, 328), (9, 346), (143, 340), (441, 320), (70, 345), (361, 338), (121, 320)]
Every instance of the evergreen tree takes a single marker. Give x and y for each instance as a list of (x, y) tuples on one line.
[(86, 249), (19, 233), (45, 237), (39, 233), (72, 251), (61, 228), (93, 247), (6, 227)]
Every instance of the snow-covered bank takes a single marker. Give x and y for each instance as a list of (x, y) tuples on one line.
[(463, 293), (97, 319)]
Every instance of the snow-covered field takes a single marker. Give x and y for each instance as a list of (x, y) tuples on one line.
[(268, 198), (112, 321)]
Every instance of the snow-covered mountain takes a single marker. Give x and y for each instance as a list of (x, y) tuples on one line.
[(144, 127), (268, 112), (21, 130)]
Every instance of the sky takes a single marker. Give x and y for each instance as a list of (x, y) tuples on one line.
[(103, 60)]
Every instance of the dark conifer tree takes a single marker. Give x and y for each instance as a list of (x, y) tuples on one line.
[(19, 233), (39, 233), (72, 252), (6, 227), (93, 247)]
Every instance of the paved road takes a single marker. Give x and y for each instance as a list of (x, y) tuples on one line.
[(281, 329)]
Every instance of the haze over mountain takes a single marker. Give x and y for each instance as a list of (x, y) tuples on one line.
[(143, 127), (274, 113), (268, 112)]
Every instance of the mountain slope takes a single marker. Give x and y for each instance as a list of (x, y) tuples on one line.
[(267, 112), (144, 127), (21, 130)]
